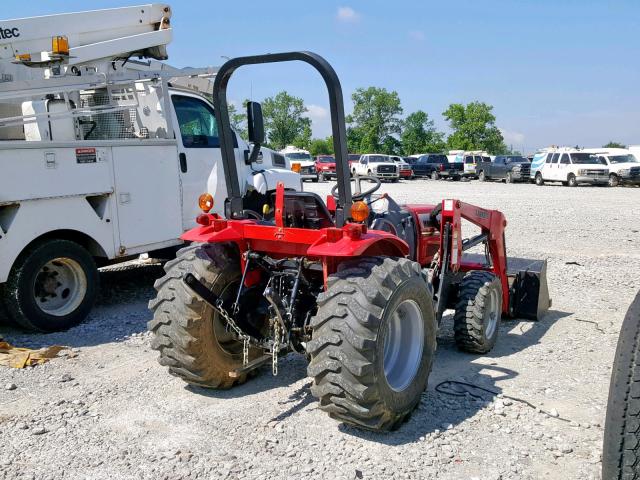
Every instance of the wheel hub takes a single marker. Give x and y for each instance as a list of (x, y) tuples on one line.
[(403, 345), (60, 286), (491, 313)]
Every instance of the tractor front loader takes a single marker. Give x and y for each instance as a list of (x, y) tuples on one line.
[(357, 283)]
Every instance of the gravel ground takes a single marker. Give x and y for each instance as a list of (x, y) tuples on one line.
[(111, 412)]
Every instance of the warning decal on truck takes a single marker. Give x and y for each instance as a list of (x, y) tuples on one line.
[(86, 155)]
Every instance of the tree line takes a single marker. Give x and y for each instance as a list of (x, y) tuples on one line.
[(376, 125)]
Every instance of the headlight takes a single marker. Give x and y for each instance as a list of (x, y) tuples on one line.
[(312, 169), (624, 172), (581, 171), (517, 168)]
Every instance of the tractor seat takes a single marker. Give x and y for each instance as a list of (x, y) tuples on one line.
[(305, 210)]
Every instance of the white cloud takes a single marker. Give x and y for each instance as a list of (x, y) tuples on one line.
[(416, 35), (515, 138), (347, 15), (320, 121)]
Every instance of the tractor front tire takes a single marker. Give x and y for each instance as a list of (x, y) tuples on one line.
[(478, 312), (190, 336), (373, 343)]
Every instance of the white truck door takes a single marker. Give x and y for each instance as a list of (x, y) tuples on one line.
[(147, 196), (564, 167), (200, 160)]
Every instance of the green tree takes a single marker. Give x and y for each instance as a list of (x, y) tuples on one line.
[(419, 135), (374, 119), (614, 145), (284, 121), (239, 120), (473, 128), (321, 146)]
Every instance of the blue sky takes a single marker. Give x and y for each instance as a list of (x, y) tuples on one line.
[(557, 72)]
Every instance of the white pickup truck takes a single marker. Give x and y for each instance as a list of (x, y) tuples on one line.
[(569, 166), (304, 159), (377, 165), (102, 159), (624, 167)]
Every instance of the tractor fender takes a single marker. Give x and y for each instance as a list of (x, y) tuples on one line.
[(232, 233), (371, 243)]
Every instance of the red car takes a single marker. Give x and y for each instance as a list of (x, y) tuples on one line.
[(326, 167)]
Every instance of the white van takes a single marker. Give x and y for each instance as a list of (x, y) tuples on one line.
[(569, 166), (470, 159), (304, 159), (624, 167)]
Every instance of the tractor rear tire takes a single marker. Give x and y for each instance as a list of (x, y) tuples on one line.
[(621, 451), (478, 312), (373, 343), (188, 333)]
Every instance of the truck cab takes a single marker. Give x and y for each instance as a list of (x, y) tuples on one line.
[(569, 166), (624, 167), (304, 159), (377, 165)]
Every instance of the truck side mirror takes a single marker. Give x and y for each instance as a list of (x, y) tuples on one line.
[(255, 123)]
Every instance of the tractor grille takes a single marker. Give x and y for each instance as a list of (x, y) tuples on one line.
[(387, 169)]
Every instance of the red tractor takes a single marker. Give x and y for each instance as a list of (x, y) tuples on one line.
[(357, 283)]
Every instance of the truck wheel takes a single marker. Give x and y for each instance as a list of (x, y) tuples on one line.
[(191, 337), (52, 286), (539, 180), (481, 176), (509, 178), (614, 181), (434, 175), (321, 177), (620, 455), (374, 341), (572, 181), (478, 312)]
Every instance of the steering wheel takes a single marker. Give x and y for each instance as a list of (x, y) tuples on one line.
[(359, 195)]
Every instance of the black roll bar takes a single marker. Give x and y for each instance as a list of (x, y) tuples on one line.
[(336, 105)]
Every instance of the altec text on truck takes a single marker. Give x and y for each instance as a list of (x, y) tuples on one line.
[(103, 157)]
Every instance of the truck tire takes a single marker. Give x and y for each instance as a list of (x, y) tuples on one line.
[(539, 180), (508, 178), (190, 336), (478, 312), (373, 342), (52, 286), (482, 176), (621, 449), (572, 181), (435, 175), (614, 180)]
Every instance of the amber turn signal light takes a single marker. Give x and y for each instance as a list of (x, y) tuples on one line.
[(205, 202), (296, 167), (60, 45), (359, 212)]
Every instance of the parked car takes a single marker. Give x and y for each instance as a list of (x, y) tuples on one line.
[(326, 167), (570, 166), (377, 165), (510, 168), (624, 167), (304, 159), (405, 170), (436, 165)]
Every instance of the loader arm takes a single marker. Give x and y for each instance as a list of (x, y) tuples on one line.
[(492, 224)]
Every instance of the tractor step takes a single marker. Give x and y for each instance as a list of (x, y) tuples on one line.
[(252, 365)]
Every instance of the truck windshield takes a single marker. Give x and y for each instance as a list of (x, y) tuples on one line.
[(380, 159), (438, 159), (585, 158), (298, 156), (623, 159), (515, 160)]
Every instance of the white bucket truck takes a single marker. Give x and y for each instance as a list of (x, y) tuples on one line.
[(102, 157)]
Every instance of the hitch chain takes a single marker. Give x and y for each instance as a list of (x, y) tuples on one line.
[(276, 348), (231, 323)]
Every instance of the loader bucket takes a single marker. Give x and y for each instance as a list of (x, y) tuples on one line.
[(529, 290)]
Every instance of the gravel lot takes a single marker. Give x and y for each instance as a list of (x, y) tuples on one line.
[(112, 412)]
